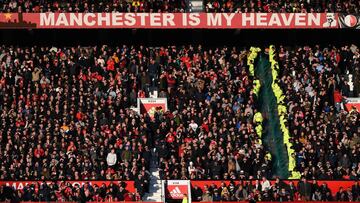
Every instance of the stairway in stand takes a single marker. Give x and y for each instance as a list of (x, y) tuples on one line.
[(155, 192)]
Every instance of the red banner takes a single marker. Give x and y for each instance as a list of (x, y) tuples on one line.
[(175, 189), (152, 105), (352, 104), (169, 20), (20, 184), (334, 186)]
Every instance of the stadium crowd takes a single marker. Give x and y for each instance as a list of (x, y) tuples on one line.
[(263, 190), (66, 113), (282, 6), (40, 6), (253, 191), (210, 133), (65, 116), (298, 6), (325, 136), (64, 191)]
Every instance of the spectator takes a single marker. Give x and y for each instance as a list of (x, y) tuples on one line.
[(217, 196), (265, 184), (355, 190), (341, 195), (304, 189), (316, 196), (206, 197), (196, 194), (241, 194), (111, 158)]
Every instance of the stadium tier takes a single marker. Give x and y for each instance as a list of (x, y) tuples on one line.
[(68, 114), (179, 101)]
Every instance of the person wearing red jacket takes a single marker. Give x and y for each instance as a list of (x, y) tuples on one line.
[(129, 197), (110, 65), (38, 152), (337, 99)]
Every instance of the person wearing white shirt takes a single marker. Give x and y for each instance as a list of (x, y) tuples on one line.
[(191, 168), (265, 184), (193, 125), (111, 158)]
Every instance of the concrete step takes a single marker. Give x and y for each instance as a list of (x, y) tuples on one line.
[(153, 200), (155, 192), (154, 179), (155, 196), (154, 172)]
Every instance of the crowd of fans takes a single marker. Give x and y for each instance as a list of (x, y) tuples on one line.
[(66, 192), (210, 133), (282, 6), (325, 135), (344, 6), (263, 190), (66, 113), (40, 6)]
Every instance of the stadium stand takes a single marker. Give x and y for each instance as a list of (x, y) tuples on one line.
[(50, 96), (161, 100), (325, 136), (63, 102), (59, 104)]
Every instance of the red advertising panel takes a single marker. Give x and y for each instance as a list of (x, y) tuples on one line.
[(170, 20), (352, 104), (176, 189), (20, 184), (152, 105)]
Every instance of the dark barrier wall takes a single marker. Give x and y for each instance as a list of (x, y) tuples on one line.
[(179, 37)]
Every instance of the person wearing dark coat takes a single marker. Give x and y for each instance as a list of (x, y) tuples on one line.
[(304, 189), (140, 185), (196, 194), (355, 190), (153, 69), (341, 195), (216, 170)]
